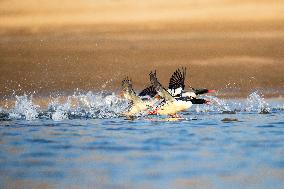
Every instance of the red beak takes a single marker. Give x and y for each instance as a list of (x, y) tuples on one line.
[(211, 91)]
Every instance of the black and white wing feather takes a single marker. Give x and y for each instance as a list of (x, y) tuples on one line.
[(149, 91), (176, 84), (129, 93), (160, 89)]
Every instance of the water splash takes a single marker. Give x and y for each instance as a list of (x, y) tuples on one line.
[(89, 105), (256, 103), (103, 105), (219, 104), (59, 111), (278, 108), (215, 105), (24, 108), (77, 106), (100, 105), (4, 116)]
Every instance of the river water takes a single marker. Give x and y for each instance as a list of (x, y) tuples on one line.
[(228, 144)]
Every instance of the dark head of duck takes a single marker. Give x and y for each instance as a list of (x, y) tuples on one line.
[(202, 91), (194, 100), (199, 101)]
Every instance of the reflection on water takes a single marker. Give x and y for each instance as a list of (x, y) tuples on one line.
[(200, 151)]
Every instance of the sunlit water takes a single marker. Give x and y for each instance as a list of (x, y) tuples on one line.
[(228, 144)]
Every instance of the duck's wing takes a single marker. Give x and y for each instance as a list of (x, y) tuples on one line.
[(129, 93), (159, 88), (149, 91), (176, 84)]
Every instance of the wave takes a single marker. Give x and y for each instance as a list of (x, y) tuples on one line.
[(103, 105), (89, 106), (254, 103)]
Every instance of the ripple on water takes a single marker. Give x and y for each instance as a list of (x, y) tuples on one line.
[(146, 154), (38, 154), (266, 126), (121, 129), (10, 133), (61, 147), (40, 140)]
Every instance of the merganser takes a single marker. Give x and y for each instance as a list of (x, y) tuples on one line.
[(138, 105), (176, 86), (171, 105), (175, 99)]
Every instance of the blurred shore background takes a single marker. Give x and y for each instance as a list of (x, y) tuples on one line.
[(50, 46)]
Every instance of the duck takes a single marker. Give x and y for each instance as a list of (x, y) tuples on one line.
[(138, 105), (171, 105), (177, 86)]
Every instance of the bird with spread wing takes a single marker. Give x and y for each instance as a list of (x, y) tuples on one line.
[(174, 99), (138, 105), (177, 89), (170, 106)]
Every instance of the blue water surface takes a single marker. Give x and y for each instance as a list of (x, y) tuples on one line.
[(245, 150)]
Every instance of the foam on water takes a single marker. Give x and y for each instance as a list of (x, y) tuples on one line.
[(256, 103), (24, 108), (216, 105), (60, 111), (78, 105), (102, 105)]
